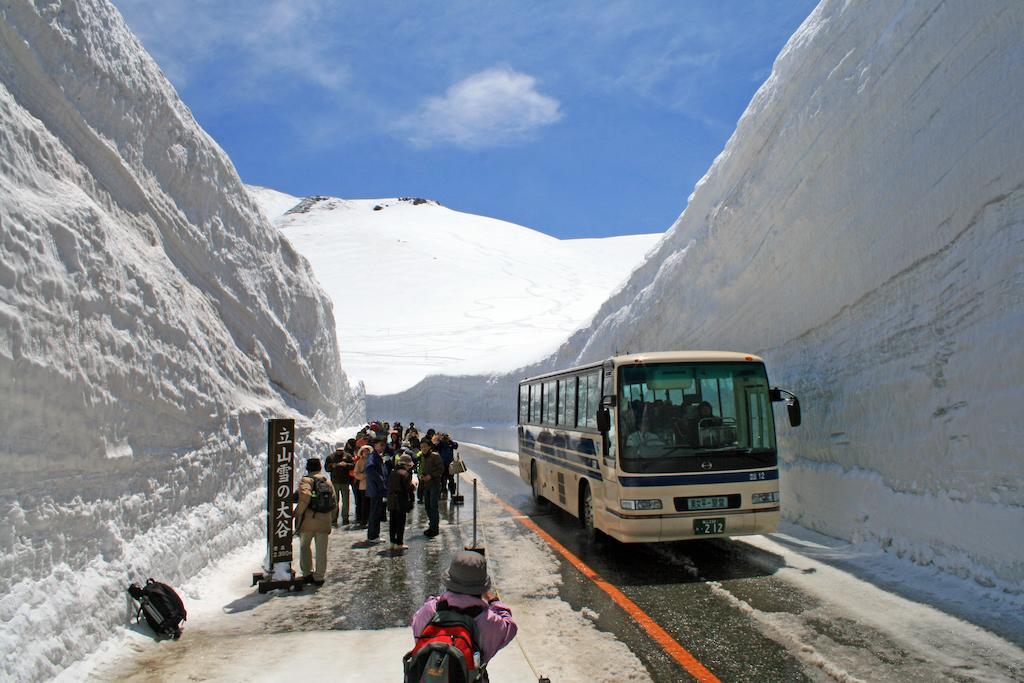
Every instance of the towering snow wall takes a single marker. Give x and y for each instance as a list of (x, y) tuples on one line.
[(863, 230), (151, 320)]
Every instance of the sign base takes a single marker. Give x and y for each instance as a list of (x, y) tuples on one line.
[(267, 583)]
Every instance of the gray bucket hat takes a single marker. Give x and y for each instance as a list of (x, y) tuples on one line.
[(406, 459), (467, 573)]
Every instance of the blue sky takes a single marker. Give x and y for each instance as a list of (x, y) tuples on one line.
[(580, 119)]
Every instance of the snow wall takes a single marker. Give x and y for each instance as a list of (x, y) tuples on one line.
[(863, 229), (152, 319)]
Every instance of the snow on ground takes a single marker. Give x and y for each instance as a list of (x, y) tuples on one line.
[(274, 204), (150, 320), (420, 289), (863, 231), (904, 609), (356, 626)]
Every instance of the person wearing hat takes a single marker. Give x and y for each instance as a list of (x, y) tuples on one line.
[(469, 589), (400, 497), (313, 526)]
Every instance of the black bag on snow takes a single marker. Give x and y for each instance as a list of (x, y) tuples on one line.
[(323, 496), (162, 607)]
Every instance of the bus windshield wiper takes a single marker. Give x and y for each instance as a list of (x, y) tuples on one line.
[(730, 450)]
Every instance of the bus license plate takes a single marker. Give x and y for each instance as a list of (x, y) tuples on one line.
[(702, 527), (707, 503)]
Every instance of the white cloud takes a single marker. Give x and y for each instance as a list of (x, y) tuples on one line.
[(261, 45), (492, 108)]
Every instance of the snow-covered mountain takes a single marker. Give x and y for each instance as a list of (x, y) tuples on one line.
[(420, 289), (151, 320), (863, 229)]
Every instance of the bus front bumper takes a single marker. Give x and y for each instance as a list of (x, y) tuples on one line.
[(631, 528)]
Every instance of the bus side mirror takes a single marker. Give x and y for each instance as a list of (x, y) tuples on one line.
[(792, 404), (604, 420), (793, 408)]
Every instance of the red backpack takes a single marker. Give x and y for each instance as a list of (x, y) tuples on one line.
[(446, 650)]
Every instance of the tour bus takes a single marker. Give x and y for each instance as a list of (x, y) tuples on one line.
[(656, 446)]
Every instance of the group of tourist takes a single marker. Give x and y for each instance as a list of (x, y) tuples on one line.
[(380, 474)]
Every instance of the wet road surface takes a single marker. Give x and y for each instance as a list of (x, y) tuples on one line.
[(669, 582), (727, 602)]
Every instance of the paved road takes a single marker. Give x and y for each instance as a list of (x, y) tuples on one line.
[(701, 592), (670, 583)]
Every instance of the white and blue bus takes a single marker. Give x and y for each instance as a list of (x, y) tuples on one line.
[(656, 446)]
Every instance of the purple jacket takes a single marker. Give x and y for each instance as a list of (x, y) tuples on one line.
[(494, 626)]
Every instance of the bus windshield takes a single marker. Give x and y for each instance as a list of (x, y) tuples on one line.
[(679, 417)]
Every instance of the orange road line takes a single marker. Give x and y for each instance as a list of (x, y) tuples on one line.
[(655, 631)]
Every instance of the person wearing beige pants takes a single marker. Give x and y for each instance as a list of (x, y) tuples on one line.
[(313, 526)]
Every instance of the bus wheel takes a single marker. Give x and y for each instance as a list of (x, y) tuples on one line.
[(535, 483), (587, 512)]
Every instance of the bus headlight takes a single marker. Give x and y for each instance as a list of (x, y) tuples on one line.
[(649, 504), (762, 498)]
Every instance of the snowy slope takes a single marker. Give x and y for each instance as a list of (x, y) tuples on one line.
[(863, 229), (151, 320), (420, 289)]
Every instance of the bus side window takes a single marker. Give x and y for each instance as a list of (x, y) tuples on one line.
[(570, 402), (550, 402), (535, 404), (593, 398)]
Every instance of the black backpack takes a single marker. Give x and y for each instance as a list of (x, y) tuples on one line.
[(163, 609), (323, 496), (444, 651)]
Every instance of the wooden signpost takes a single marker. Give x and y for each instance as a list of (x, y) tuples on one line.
[(278, 572)]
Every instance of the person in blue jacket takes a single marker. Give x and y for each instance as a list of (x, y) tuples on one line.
[(445, 447), (376, 490)]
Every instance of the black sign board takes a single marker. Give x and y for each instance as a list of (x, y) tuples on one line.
[(280, 476)]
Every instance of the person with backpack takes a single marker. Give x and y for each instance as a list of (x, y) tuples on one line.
[(314, 512), (400, 500), (458, 632)]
